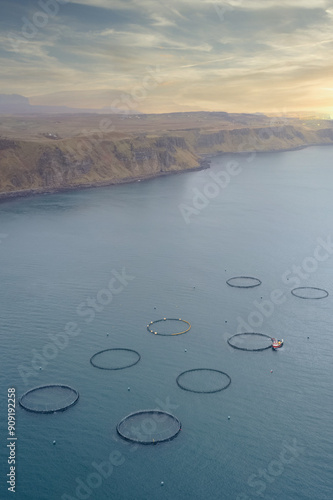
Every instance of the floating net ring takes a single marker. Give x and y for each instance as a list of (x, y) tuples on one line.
[(49, 398), (243, 282), (250, 341), (310, 292), (152, 330), (212, 381), (149, 427), (115, 359)]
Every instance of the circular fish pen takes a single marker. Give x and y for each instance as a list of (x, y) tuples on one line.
[(250, 341), (49, 398), (310, 293), (243, 282), (149, 427), (203, 380), (115, 359), (151, 329)]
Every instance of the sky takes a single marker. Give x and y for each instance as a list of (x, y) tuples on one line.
[(178, 55)]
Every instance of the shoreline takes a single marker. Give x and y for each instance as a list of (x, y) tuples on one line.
[(26, 193), (204, 164)]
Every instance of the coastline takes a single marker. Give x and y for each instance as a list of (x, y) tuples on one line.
[(204, 164), (26, 193)]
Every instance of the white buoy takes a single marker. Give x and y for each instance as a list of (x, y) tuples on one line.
[(54, 442), (185, 350), (229, 417), (128, 388), (162, 483)]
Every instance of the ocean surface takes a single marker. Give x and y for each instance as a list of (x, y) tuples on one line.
[(103, 263)]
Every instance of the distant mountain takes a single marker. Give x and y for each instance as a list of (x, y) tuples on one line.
[(13, 99), (13, 103), (94, 98), (17, 104)]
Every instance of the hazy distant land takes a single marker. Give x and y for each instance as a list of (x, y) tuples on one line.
[(44, 153)]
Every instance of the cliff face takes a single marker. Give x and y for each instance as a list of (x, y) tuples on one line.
[(86, 160), (89, 161), (260, 139)]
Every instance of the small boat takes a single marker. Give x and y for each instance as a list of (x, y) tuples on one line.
[(276, 344)]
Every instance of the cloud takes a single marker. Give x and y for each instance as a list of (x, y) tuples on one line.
[(206, 62), (240, 4), (104, 4), (270, 4), (161, 21), (261, 51)]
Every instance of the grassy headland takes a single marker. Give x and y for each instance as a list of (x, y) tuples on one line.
[(48, 153)]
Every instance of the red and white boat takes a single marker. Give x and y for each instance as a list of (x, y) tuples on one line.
[(276, 344)]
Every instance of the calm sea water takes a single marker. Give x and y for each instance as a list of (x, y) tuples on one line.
[(57, 251)]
